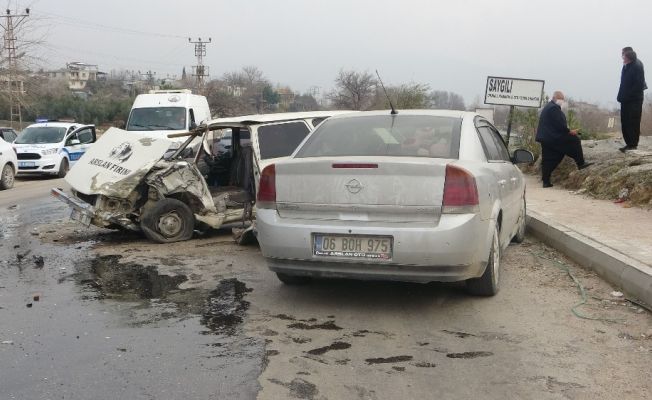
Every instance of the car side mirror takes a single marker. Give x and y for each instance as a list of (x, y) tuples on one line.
[(192, 126), (522, 157)]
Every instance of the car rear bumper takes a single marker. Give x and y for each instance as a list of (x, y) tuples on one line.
[(456, 249)]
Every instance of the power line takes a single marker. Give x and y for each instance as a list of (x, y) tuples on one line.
[(95, 25)]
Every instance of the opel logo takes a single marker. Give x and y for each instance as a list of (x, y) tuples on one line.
[(353, 186)]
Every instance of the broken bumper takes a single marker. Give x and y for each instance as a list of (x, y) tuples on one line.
[(81, 212)]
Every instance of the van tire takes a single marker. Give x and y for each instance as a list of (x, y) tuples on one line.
[(168, 221), (7, 178), (489, 283), (64, 167)]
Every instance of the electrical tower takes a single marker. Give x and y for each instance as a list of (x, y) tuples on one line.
[(200, 71), (10, 22)]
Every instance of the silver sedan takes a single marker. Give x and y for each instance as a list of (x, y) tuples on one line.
[(418, 196)]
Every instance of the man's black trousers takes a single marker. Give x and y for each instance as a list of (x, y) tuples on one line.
[(630, 121), (553, 153)]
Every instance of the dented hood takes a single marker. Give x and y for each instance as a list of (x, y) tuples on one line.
[(116, 163)]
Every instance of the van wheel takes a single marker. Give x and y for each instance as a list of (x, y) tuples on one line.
[(7, 177), (169, 220), (522, 220), (64, 167), (488, 283), (292, 279)]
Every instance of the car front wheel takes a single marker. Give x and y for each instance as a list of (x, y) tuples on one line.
[(488, 283), (169, 220), (7, 177), (64, 167)]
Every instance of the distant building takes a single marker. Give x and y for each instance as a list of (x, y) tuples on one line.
[(78, 74), (286, 96)]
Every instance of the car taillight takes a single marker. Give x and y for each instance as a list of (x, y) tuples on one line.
[(267, 188), (460, 192)]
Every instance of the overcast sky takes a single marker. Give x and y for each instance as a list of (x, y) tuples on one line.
[(573, 45)]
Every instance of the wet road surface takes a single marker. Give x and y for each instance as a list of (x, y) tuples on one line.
[(90, 313)]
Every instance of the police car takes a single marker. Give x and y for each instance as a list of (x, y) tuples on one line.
[(51, 148)]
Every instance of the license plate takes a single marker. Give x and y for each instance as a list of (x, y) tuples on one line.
[(353, 246), (23, 164), (80, 217)]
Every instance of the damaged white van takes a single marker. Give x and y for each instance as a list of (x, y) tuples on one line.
[(126, 182)]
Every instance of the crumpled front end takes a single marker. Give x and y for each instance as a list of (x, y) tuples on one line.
[(182, 180)]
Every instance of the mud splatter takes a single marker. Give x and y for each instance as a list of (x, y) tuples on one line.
[(284, 317), (462, 335), (424, 365), (299, 388), (470, 354), (335, 346), (225, 308), (400, 369), (330, 326), (388, 360)]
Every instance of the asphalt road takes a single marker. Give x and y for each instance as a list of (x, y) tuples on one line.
[(90, 313)]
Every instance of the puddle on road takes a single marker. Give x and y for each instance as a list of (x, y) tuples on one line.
[(388, 360), (158, 297), (335, 346), (470, 354)]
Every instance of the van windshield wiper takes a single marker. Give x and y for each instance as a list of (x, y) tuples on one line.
[(149, 128)]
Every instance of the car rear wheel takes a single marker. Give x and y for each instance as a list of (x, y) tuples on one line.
[(64, 167), (292, 279), (488, 283), (520, 234), (7, 177), (169, 220)]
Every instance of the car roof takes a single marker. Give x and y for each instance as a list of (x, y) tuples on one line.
[(55, 124), (266, 118), (434, 113)]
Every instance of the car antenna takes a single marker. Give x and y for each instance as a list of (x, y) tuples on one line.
[(394, 112)]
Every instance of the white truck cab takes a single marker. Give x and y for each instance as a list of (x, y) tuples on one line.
[(163, 112), (51, 148)]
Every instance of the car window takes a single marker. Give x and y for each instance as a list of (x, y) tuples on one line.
[(157, 118), (41, 134), (500, 144), (10, 136), (491, 150), (385, 135), (85, 135), (280, 140)]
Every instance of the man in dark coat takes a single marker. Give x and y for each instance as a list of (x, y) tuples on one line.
[(556, 139), (630, 97)]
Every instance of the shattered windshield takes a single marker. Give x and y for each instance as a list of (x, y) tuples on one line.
[(41, 134), (157, 119)]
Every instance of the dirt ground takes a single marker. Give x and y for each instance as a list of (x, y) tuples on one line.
[(614, 175), (373, 340)]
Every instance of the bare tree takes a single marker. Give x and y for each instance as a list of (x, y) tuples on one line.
[(405, 96), (353, 90), (444, 100)]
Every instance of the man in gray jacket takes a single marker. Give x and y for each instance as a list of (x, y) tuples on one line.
[(630, 97)]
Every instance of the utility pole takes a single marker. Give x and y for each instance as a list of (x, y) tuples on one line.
[(10, 22), (149, 78), (200, 71)]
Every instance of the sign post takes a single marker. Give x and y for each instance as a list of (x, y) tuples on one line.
[(513, 92)]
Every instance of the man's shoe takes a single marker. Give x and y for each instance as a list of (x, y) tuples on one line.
[(623, 149), (586, 164), (547, 184)]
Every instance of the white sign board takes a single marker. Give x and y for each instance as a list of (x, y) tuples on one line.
[(514, 92)]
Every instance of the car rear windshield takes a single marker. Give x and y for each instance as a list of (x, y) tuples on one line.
[(157, 119), (385, 135), (41, 134)]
